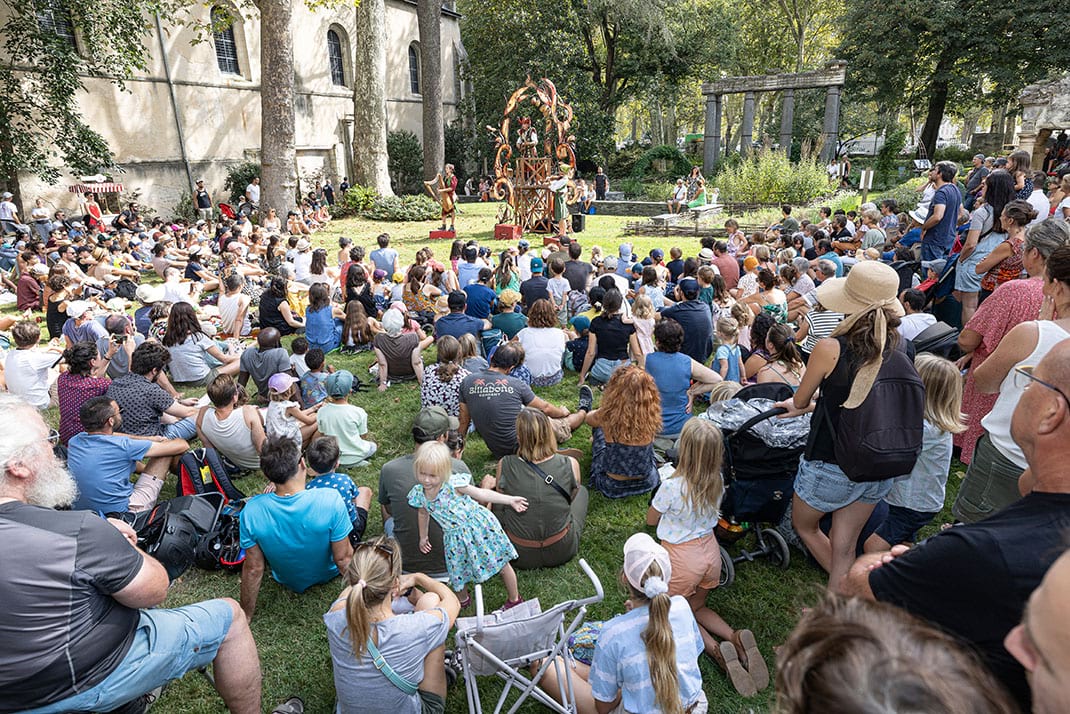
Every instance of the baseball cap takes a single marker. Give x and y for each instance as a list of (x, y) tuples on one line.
[(637, 268), (339, 384), (657, 254), (688, 285), (536, 265), (77, 308), (581, 323), (625, 251), (610, 263), (509, 298), (280, 382), (640, 551), (7, 194), (398, 277), (432, 422), (523, 243), (564, 240), (378, 274)]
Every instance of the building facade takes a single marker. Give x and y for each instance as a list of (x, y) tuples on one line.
[(196, 110)]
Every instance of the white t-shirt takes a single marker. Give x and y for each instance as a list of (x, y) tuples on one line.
[(1040, 204), (910, 326), (253, 192), (189, 360), (26, 372), (680, 194), (1065, 203), (7, 211), (543, 349), (303, 265), (679, 522), (523, 264)]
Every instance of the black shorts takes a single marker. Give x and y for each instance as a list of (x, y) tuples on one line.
[(359, 524), (902, 524)]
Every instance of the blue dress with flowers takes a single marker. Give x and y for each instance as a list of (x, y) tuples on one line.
[(476, 546)]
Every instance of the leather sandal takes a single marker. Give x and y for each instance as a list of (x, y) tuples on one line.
[(747, 649), (728, 660)]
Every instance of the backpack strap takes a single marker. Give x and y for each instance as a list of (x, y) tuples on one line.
[(549, 480), (383, 666)]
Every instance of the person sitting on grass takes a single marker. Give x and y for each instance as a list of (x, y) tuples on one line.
[(678, 377), (442, 380), (398, 354), (344, 421), (312, 382), (285, 419), (623, 429), (27, 367), (268, 358), (230, 426), (322, 460), (303, 534), (362, 627)]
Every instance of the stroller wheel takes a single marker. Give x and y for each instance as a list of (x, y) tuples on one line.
[(728, 569), (779, 554)]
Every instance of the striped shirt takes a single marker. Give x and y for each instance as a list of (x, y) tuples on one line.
[(821, 326)]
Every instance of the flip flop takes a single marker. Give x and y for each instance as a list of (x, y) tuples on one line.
[(293, 705), (759, 671)]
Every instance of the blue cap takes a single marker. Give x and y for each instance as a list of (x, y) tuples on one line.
[(688, 285), (536, 265), (339, 384), (581, 323)]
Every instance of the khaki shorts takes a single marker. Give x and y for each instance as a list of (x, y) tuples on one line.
[(562, 431), (695, 564)]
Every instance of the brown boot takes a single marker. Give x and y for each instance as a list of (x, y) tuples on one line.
[(726, 658), (746, 647)]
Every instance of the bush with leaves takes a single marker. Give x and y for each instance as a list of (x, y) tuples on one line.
[(886, 164), (238, 177), (456, 149), (355, 200), (906, 194), (406, 161), (184, 208), (770, 177), (678, 163), (403, 208)]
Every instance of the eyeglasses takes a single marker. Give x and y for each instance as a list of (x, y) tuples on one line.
[(53, 437), (1023, 376), (381, 547)]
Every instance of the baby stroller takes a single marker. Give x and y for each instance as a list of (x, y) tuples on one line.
[(506, 643), (759, 483)]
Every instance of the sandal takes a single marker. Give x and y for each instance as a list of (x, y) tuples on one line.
[(293, 705), (747, 649), (726, 658), (510, 604), (466, 603)]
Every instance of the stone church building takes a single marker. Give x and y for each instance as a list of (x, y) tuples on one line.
[(198, 105)]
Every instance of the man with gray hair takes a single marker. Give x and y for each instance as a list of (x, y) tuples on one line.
[(82, 630), (973, 181)]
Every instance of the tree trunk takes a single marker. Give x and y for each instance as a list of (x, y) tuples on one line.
[(277, 153), (429, 20), (370, 159)]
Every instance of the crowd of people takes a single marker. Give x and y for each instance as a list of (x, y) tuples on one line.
[(657, 342)]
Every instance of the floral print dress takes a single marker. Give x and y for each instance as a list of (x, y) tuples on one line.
[(476, 546)]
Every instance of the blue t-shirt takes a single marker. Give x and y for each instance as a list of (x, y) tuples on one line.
[(940, 238), (295, 533), (457, 324), (672, 374), (835, 259), (911, 237), (467, 273), (730, 354), (480, 300), (101, 465), (620, 662), (343, 485), (384, 259)]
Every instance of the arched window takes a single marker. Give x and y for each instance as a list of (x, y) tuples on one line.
[(334, 56), (226, 49), (414, 68)]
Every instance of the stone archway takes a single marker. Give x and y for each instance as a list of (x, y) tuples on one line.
[(832, 77), (1045, 109)]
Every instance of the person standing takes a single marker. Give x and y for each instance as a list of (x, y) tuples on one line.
[(973, 181), (202, 201), (938, 231), (601, 184)]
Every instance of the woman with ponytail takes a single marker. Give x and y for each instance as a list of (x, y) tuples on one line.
[(646, 660), (385, 663)]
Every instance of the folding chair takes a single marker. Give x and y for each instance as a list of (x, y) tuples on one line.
[(503, 644)]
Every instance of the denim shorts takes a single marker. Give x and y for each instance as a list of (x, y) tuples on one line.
[(166, 645), (825, 488), (902, 524), (182, 429), (603, 369)]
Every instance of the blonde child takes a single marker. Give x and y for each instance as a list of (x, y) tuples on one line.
[(471, 360), (917, 498), (285, 418), (596, 256), (558, 289), (744, 318), (476, 547), (685, 509), (643, 318), (728, 360)]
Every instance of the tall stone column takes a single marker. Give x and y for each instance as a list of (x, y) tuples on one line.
[(787, 117), (711, 139), (746, 133), (831, 129)]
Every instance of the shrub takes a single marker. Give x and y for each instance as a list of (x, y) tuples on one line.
[(961, 155), (680, 166), (406, 161), (623, 161), (658, 190), (905, 194), (358, 198), (631, 187), (402, 208), (184, 207), (238, 178), (885, 165), (770, 177)]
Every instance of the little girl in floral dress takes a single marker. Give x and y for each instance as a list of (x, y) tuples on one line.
[(477, 548)]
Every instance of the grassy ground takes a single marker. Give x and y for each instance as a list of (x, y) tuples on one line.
[(288, 628)]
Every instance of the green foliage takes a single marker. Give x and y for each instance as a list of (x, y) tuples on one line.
[(885, 165), (843, 200), (658, 190), (680, 166), (402, 208), (457, 150), (358, 198), (184, 208), (238, 177), (406, 161), (905, 194), (622, 161), (961, 155), (631, 186), (769, 177)]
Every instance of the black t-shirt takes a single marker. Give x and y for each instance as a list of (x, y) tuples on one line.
[(694, 316), (600, 183), (61, 632), (577, 272), (270, 315), (676, 269), (974, 580), (192, 268), (203, 199), (532, 289), (612, 337), (835, 389)]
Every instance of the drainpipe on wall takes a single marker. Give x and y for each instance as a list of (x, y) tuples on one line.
[(174, 105)]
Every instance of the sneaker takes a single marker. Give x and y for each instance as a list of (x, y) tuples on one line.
[(586, 399), (293, 705)]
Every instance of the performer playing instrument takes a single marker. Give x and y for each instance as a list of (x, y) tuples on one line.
[(443, 188)]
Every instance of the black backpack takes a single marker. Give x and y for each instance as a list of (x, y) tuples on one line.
[(221, 548), (175, 528), (126, 289), (881, 437), (203, 471)]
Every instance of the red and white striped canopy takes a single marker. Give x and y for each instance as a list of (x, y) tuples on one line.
[(96, 188)]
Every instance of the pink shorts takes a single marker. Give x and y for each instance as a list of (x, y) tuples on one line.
[(695, 564)]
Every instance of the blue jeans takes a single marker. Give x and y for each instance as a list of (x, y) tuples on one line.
[(185, 429), (167, 644), (603, 369)]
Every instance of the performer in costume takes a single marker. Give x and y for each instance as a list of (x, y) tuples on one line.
[(527, 140), (444, 190), (559, 185)]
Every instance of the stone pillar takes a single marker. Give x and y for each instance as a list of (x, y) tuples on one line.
[(745, 135), (1027, 141), (711, 140), (787, 116), (831, 129)]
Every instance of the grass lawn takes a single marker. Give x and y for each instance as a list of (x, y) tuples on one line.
[(288, 628)]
